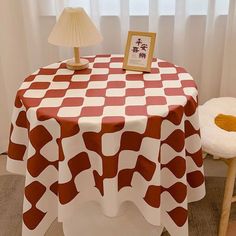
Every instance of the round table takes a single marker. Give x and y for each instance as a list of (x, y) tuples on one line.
[(108, 135)]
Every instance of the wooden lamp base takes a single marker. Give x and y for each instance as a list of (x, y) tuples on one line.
[(82, 64), (77, 63)]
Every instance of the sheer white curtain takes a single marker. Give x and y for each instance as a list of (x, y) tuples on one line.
[(196, 34), (199, 35), (23, 48)]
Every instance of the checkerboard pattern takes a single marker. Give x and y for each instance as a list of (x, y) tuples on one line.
[(109, 135)]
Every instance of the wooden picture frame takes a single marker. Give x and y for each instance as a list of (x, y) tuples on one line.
[(139, 51)]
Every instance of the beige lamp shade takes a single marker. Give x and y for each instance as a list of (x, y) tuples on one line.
[(75, 29)]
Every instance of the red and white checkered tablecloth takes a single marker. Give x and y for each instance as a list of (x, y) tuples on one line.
[(108, 135)]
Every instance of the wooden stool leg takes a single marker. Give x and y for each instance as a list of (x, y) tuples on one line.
[(229, 188)]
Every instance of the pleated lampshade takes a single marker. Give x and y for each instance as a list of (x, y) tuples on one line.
[(75, 29)]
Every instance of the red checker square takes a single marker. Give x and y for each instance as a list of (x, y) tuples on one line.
[(134, 77), (62, 78), (116, 84), (153, 84), (45, 113), (98, 77), (90, 59), (116, 71), (17, 103), (21, 92), (154, 70), (112, 124), (30, 78), (156, 100), (117, 59), (83, 72), (113, 119), (96, 92), (92, 111), (63, 65), (47, 71), (31, 102), (114, 101), (78, 85), (188, 83), (100, 65), (169, 76), (39, 85), (70, 102), (55, 93), (165, 64), (180, 70), (174, 91), (136, 110), (135, 92)]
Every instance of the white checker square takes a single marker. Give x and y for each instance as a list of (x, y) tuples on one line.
[(97, 84), (64, 72), (134, 84), (113, 139), (154, 64), (80, 78), (176, 100), (43, 78), (137, 100), (25, 85), (90, 65), (154, 92), (90, 123), (99, 71), (185, 76), (102, 59), (59, 85), (116, 77), (94, 101), (51, 102), (171, 84), (151, 77), (116, 65), (127, 163), (167, 70), (117, 55), (150, 147), (75, 93), (53, 66), (191, 92), (115, 92), (35, 93), (69, 111), (159, 110), (136, 123), (114, 111), (36, 72)]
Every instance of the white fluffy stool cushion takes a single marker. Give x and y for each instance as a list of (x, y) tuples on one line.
[(215, 140)]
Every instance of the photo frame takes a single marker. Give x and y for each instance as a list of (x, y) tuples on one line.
[(139, 51)]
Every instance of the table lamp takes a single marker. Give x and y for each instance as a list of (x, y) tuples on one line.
[(75, 29)]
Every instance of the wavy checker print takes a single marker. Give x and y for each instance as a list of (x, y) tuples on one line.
[(108, 135)]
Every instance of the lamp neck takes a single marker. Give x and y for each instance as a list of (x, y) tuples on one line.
[(76, 55)]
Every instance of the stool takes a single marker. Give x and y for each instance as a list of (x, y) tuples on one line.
[(220, 143)]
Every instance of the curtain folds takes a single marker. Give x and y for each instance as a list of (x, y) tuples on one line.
[(204, 44), (228, 77)]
